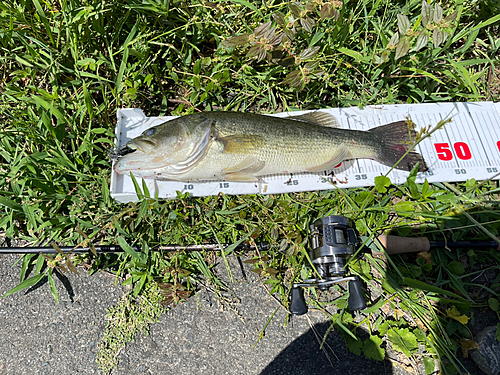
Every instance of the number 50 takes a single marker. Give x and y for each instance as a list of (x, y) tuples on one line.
[(461, 150)]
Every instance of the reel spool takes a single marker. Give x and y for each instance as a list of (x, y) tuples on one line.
[(333, 242)]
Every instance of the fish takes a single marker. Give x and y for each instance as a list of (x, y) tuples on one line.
[(244, 147)]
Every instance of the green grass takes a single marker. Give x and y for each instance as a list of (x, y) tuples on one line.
[(68, 66)]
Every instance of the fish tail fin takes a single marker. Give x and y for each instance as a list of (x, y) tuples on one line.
[(396, 139)]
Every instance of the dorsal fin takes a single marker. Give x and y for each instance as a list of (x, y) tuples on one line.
[(318, 118)]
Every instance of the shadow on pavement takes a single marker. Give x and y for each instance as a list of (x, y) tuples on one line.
[(304, 356)]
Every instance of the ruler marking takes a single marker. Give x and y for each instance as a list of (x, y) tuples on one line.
[(488, 135), (495, 137), (479, 152), (480, 139)]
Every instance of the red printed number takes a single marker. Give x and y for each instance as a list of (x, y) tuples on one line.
[(443, 151), (461, 149)]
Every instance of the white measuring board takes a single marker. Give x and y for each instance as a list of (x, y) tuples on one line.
[(467, 147)]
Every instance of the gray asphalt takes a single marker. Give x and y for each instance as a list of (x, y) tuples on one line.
[(39, 336)]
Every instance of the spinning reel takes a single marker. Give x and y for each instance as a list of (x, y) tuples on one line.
[(333, 242)]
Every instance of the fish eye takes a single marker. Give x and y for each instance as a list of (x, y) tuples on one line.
[(149, 132)]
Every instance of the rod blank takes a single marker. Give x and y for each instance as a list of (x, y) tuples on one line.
[(118, 249), (392, 245)]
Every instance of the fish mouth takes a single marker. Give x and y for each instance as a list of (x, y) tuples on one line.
[(144, 145), (119, 152)]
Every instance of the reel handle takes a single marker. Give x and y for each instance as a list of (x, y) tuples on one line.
[(356, 300), (297, 303)]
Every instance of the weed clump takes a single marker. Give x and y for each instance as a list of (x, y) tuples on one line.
[(130, 316)]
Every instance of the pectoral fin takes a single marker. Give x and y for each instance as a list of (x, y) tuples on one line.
[(241, 144), (240, 177), (245, 171), (341, 154)]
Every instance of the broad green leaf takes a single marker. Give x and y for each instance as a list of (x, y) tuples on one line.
[(354, 345), (372, 347), (375, 307), (402, 340), (344, 328), (47, 121), (364, 197), (30, 214), (447, 301), (427, 13), (394, 39), (458, 285), (25, 284), (422, 40), (455, 314), (403, 24), (309, 53), (121, 71), (40, 262), (493, 303), (488, 22), (429, 365), (382, 183), (405, 208), (228, 250), (456, 268), (438, 37), (142, 211), (44, 19), (197, 67), (402, 48), (145, 189), (88, 101), (438, 13)]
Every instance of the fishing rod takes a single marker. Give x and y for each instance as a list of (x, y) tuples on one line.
[(391, 244), (100, 249), (334, 240)]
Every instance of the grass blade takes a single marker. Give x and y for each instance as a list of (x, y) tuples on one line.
[(25, 284), (128, 249), (11, 204), (52, 286)]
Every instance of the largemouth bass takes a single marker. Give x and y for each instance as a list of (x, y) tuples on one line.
[(237, 146)]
